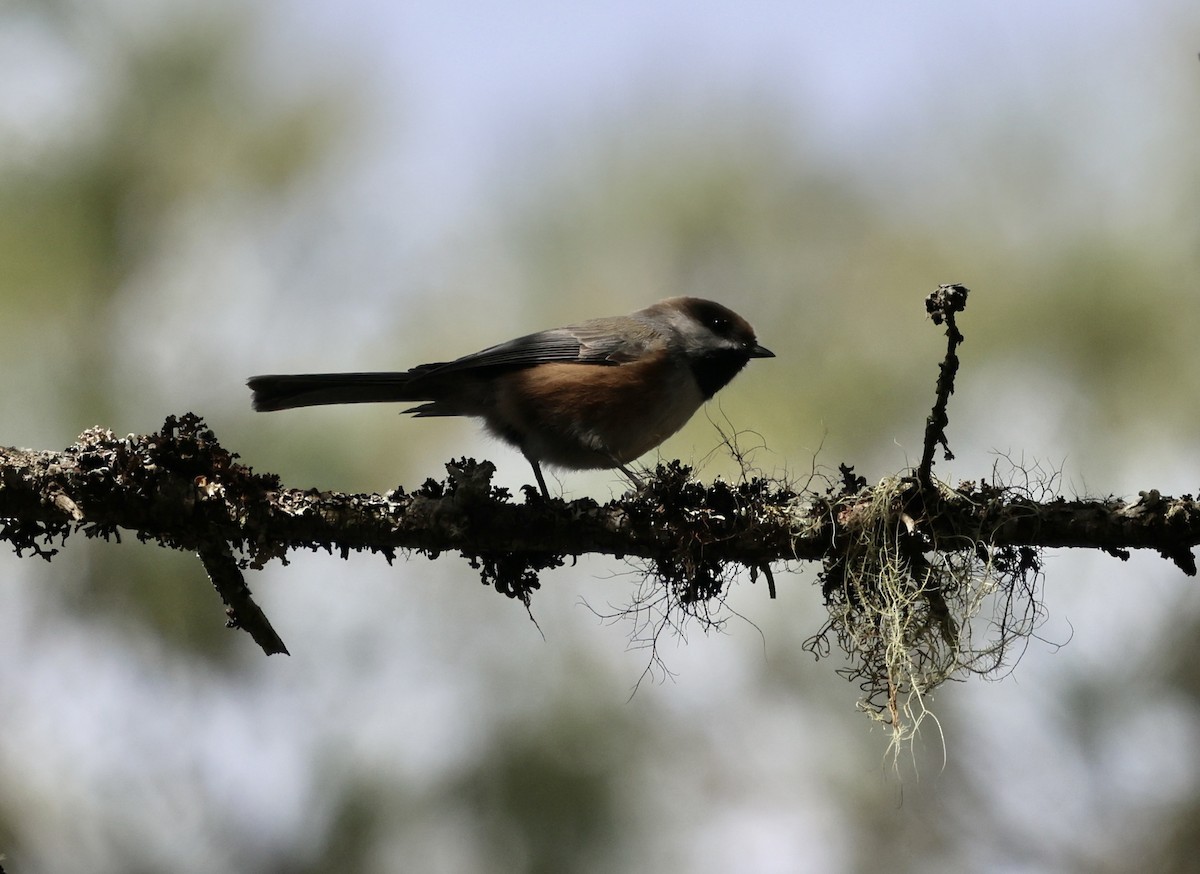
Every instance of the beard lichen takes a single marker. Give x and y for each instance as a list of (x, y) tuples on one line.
[(911, 611)]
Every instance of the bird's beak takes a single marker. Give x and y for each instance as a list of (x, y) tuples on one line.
[(761, 352)]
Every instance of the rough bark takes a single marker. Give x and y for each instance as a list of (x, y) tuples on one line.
[(181, 489)]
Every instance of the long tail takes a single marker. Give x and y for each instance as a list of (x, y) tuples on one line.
[(283, 392)]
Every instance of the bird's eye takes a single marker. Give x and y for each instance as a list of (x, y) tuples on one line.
[(718, 324)]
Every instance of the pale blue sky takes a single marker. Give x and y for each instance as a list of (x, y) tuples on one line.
[(468, 80)]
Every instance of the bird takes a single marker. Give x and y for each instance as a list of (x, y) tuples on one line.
[(593, 395)]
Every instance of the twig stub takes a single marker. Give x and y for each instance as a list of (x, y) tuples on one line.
[(942, 306)]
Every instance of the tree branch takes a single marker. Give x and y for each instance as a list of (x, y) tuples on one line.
[(942, 306), (906, 563), (181, 488), (243, 613)]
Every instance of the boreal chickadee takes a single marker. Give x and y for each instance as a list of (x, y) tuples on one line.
[(596, 394)]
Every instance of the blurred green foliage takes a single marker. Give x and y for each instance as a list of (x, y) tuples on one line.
[(169, 124)]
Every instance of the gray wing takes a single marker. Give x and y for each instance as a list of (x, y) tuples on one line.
[(591, 342)]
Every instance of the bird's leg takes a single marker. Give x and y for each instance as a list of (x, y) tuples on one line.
[(634, 478), (537, 471)]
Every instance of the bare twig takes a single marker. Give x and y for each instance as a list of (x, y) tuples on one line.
[(942, 306), (243, 613)]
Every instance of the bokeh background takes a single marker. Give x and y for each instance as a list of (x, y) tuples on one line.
[(194, 191)]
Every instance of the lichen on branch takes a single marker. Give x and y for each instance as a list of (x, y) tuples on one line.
[(910, 566)]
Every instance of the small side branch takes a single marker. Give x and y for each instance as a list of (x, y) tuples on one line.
[(942, 306), (243, 613)]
